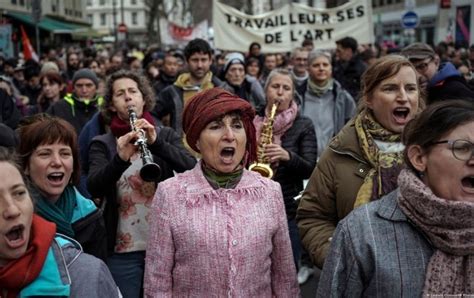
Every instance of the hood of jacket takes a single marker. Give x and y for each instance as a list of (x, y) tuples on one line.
[(445, 71)]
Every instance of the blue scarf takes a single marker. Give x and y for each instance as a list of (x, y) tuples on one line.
[(60, 212)]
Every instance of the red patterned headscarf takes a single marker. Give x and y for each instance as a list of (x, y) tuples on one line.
[(211, 104)]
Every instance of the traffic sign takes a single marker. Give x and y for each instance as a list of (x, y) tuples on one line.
[(410, 20), (122, 28)]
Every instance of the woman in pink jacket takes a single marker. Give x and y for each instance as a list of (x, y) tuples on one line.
[(219, 230)]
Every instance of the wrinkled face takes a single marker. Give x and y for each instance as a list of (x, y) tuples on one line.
[(270, 62), (320, 70), (253, 69), (222, 143), (343, 54), (50, 168), (16, 214), (125, 94), (426, 69), (449, 178), (51, 89), (394, 101), (279, 90), (300, 62), (85, 89), (170, 66), (199, 64), (235, 75)]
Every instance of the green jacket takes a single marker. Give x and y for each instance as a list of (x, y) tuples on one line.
[(331, 192)]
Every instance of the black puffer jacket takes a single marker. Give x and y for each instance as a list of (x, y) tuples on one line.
[(300, 142)]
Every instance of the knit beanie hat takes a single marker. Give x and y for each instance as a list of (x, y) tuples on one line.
[(49, 67), (211, 104), (85, 73), (233, 58)]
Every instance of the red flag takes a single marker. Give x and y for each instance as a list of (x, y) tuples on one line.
[(28, 51)]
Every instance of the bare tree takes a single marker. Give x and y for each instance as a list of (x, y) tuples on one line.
[(156, 10)]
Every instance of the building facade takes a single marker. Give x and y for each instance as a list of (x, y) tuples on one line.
[(106, 16), (58, 21)]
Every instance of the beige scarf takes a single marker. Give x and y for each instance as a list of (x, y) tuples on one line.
[(184, 82), (449, 225)]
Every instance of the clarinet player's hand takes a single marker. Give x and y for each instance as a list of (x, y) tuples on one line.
[(149, 129), (126, 147)]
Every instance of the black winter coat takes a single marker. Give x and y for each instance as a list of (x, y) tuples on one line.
[(454, 87), (300, 142), (106, 168), (77, 114)]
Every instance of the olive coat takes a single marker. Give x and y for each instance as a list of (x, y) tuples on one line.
[(331, 192)]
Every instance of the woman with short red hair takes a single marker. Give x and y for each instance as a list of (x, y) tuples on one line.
[(219, 229)]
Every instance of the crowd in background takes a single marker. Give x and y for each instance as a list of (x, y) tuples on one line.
[(338, 144)]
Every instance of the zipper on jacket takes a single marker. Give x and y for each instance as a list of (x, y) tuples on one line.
[(350, 154)]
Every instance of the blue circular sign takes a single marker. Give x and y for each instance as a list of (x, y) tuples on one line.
[(410, 20)]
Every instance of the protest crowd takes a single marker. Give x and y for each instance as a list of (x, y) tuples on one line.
[(199, 172)]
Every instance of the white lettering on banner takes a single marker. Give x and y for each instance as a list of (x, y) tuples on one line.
[(285, 28)]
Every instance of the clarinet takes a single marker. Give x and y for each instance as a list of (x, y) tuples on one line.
[(150, 171)]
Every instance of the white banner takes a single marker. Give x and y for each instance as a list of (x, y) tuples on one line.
[(172, 34), (284, 29)]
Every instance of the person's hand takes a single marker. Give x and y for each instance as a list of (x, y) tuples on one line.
[(126, 145), (149, 130), (276, 153)]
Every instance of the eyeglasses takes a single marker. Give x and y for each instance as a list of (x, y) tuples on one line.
[(422, 66), (462, 149)]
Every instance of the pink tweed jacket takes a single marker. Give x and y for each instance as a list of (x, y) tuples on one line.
[(219, 243)]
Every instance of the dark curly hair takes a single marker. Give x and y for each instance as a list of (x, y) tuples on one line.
[(142, 83)]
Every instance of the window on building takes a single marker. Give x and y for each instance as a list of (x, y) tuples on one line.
[(102, 2), (22, 2), (90, 19), (53, 7), (389, 2), (134, 18), (89, 2), (133, 2), (14, 2), (102, 19)]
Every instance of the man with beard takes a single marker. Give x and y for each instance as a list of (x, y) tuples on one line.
[(172, 99), (440, 81), (237, 82), (72, 61)]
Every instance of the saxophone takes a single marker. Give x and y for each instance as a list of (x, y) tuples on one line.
[(262, 166)]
